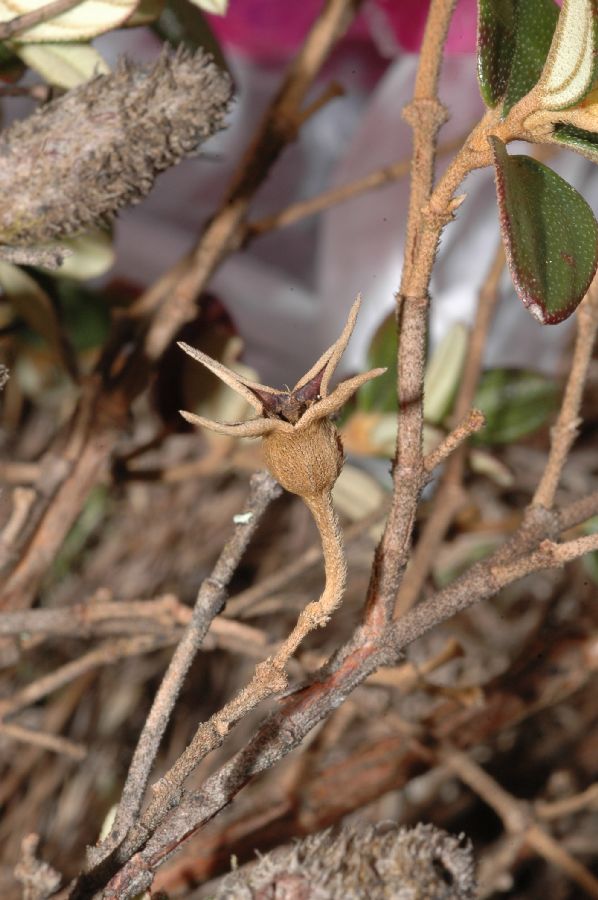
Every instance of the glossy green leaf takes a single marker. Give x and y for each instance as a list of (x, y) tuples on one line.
[(496, 46), (584, 142), (536, 23), (550, 235), (515, 403), (514, 37), (380, 394)]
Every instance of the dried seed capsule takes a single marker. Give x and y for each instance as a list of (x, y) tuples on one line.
[(307, 461), (77, 161)]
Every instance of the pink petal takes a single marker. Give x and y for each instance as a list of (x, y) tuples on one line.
[(270, 31), (408, 20)]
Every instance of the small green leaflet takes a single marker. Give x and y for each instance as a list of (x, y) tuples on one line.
[(496, 46), (549, 232), (514, 37), (380, 394), (584, 142), (515, 402)]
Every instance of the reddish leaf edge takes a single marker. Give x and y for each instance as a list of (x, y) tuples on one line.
[(532, 303)]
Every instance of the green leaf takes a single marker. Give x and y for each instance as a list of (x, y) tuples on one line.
[(515, 403), (380, 394), (514, 38), (35, 307), (65, 65), (584, 142), (550, 235), (443, 374), (85, 314), (496, 46), (536, 23)]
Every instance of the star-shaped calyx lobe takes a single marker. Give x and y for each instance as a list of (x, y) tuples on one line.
[(304, 410)]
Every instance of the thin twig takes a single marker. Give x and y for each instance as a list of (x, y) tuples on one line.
[(277, 129), (35, 17), (104, 655), (22, 501), (473, 422), (85, 620), (242, 603), (129, 868), (269, 677), (566, 428), (450, 496), (517, 819), (303, 209), (568, 806), (53, 742), (210, 600), (426, 115), (40, 92), (405, 677), (19, 472), (150, 324)]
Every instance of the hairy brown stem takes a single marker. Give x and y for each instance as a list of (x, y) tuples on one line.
[(450, 495), (426, 115), (269, 678), (302, 209), (210, 599), (304, 709), (565, 430)]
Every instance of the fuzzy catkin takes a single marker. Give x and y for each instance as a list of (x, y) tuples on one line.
[(78, 160), (382, 862)]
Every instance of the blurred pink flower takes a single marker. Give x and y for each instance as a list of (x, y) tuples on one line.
[(269, 31)]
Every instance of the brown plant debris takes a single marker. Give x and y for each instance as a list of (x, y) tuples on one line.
[(379, 862), (78, 160)]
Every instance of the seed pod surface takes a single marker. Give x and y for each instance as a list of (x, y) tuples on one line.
[(78, 160), (307, 461)]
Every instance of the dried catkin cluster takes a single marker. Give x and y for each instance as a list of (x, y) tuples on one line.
[(383, 862), (77, 161)]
